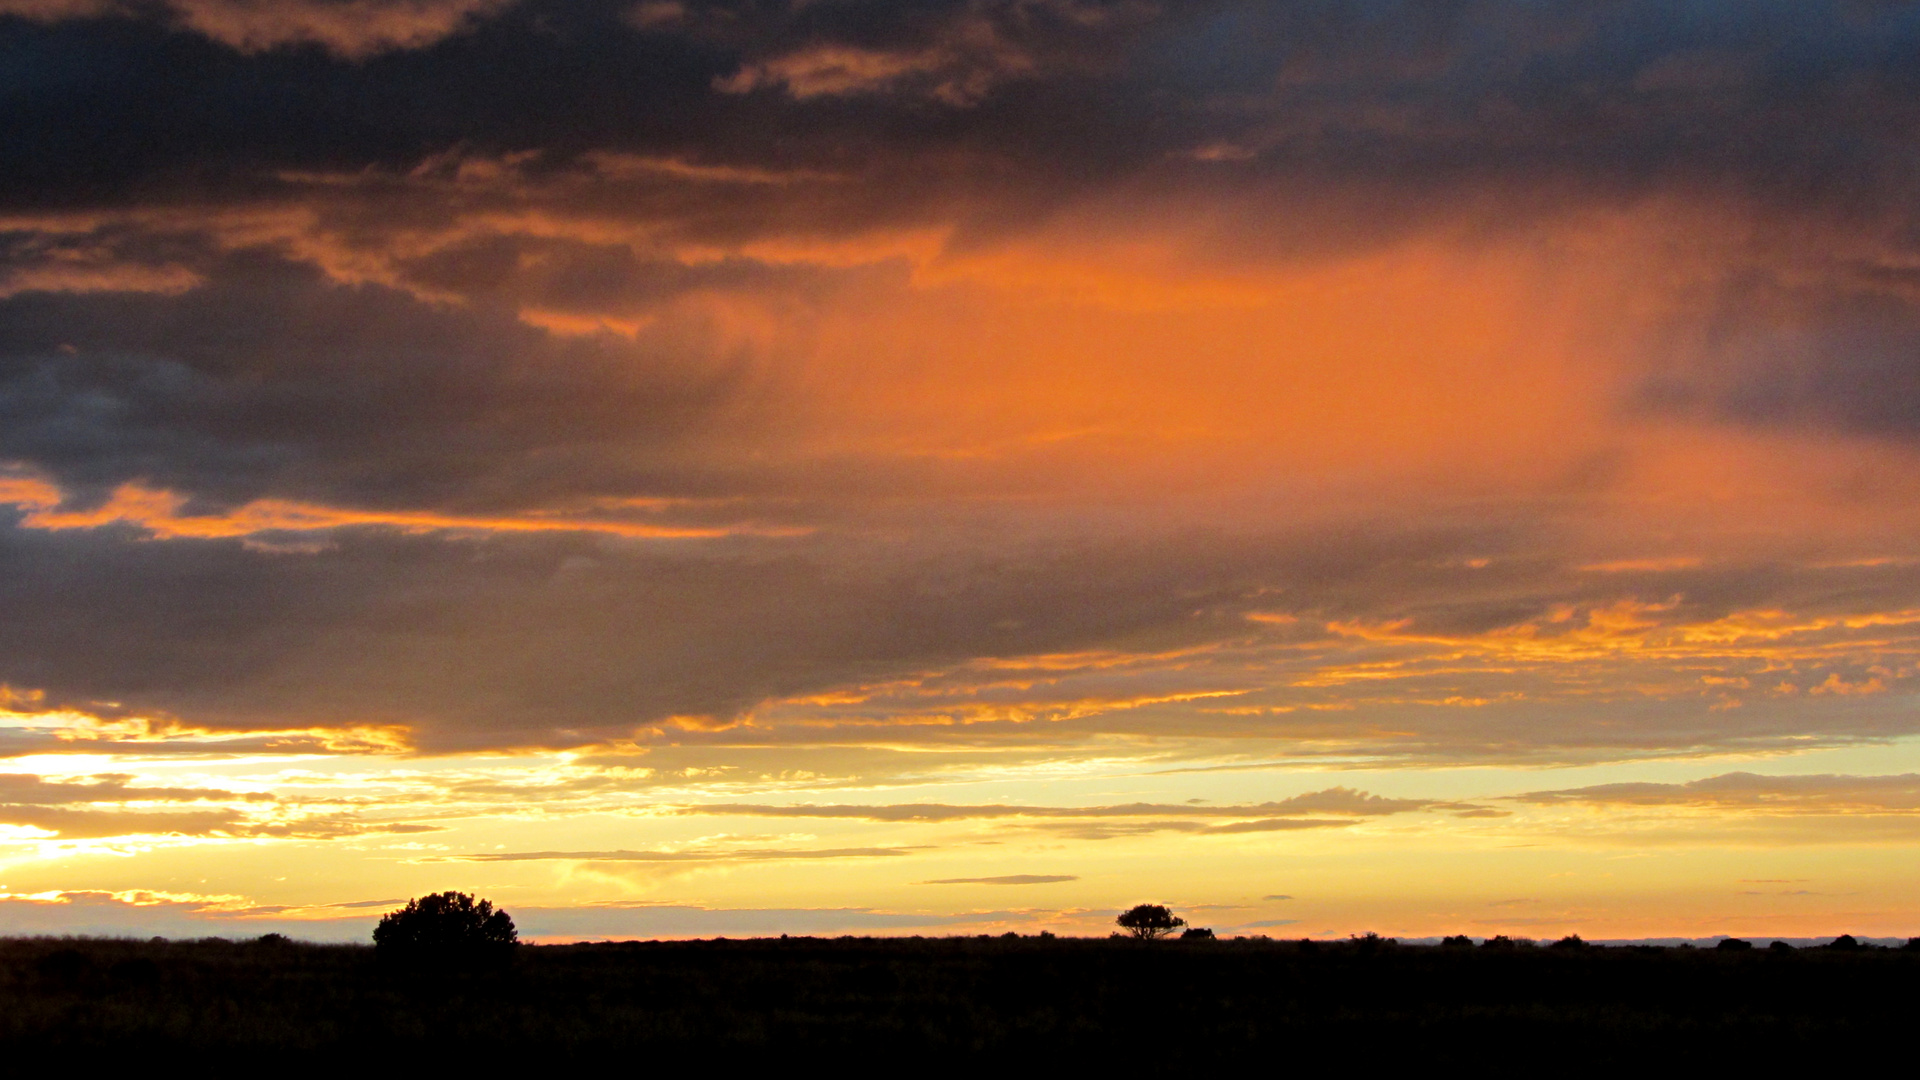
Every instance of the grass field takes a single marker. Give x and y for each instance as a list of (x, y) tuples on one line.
[(949, 1003)]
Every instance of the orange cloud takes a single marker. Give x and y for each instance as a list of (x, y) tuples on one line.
[(354, 29), (157, 512)]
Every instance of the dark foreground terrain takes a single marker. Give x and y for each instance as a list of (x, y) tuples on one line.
[(943, 1005)]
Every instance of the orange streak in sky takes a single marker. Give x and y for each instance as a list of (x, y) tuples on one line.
[(158, 513)]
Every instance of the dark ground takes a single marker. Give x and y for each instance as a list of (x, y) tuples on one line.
[(945, 1005)]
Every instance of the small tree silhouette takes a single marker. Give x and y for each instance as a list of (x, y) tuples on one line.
[(1196, 933), (1149, 921), (448, 924), (1369, 942)]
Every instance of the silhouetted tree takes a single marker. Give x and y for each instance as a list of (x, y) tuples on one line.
[(1571, 941), (1369, 942), (1498, 941), (1844, 943), (1149, 921), (448, 924), (1196, 933), (1733, 944), (1779, 946)]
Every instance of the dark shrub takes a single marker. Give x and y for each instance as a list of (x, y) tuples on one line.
[(1149, 921), (1780, 947), (1196, 933), (1912, 945), (1571, 941), (1498, 941), (1733, 944), (448, 924), (1369, 942), (1457, 941), (1844, 943), (137, 971), (63, 965)]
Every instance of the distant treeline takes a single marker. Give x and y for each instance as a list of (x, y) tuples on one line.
[(938, 1004)]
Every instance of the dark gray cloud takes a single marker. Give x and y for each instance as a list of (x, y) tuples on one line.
[(566, 639), (1345, 801), (90, 823), (144, 914), (1006, 879), (67, 823), (29, 789), (269, 381), (79, 810), (1630, 88), (1750, 792), (715, 855), (1276, 825)]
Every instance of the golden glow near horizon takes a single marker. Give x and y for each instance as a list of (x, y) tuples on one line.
[(1327, 488)]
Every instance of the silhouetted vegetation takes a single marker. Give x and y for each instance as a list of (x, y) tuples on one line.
[(1733, 944), (448, 926), (1196, 933), (945, 1004), (1149, 921), (1369, 942)]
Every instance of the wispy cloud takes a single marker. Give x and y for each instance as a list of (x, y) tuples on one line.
[(716, 855), (1750, 792), (1332, 801), (1006, 879)]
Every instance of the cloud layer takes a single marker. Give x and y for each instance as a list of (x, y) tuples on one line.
[(1491, 381)]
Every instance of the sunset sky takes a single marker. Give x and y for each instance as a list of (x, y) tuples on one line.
[(683, 468)]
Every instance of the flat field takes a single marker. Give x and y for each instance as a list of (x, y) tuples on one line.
[(944, 1004)]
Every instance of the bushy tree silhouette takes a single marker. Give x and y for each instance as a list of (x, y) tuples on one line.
[(448, 924), (1457, 941), (1196, 933), (1369, 942), (1734, 944), (1149, 921)]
